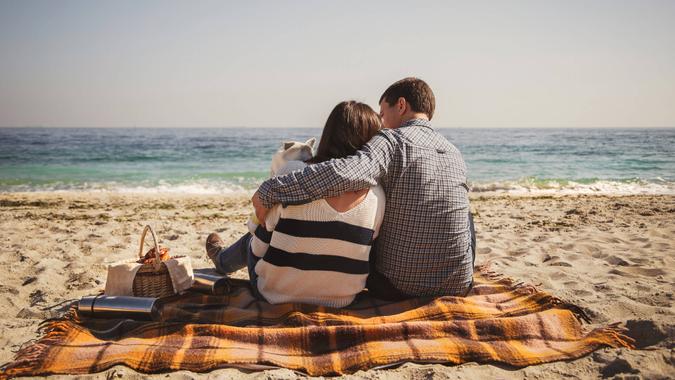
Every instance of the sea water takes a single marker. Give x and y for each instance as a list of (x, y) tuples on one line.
[(236, 160)]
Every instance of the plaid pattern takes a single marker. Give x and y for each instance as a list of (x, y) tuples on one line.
[(424, 243), (499, 321)]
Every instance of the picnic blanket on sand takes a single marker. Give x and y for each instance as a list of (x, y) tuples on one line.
[(500, 321)]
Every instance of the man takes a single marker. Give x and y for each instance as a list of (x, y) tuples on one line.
[(426, 245)]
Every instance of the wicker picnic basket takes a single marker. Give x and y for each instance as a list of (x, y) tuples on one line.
[(150, 278)]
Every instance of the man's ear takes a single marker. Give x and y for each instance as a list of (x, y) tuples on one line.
[(401, 105), (311, 142)]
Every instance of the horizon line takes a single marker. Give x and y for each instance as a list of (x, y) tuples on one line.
[(319, 127)]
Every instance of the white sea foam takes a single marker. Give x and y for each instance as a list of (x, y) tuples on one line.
[(528, 186), (201, 187), (552, 187), (162, 187)]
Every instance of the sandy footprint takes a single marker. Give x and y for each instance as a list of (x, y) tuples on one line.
[(616, 260), (649, 272)]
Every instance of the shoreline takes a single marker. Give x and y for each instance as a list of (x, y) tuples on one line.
[(610, 254), (248, 193)]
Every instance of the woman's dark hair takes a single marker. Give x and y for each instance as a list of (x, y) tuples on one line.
[(349, 126)]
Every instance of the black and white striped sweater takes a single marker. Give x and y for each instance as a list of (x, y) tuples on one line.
[(314, 254)]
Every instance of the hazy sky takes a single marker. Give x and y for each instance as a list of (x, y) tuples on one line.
[(287, 63)]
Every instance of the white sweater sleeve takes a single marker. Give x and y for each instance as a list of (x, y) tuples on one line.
[(378, 191), (262, 236)]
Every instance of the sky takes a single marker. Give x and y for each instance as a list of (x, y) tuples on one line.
[(288, 63)]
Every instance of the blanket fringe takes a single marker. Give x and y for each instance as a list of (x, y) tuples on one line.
[(613, 335), (578, 312), (31, 353), (515, 285)]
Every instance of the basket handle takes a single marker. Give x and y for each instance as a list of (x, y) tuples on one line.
[(157, 263)]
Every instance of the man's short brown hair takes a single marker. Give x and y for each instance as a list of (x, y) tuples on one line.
[(415, 91)]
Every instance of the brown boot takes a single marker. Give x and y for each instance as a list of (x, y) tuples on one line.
[(214, 244)]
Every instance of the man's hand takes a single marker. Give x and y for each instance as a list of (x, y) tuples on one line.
[(260, 209)]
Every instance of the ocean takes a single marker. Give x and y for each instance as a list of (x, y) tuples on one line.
[(236, 160)]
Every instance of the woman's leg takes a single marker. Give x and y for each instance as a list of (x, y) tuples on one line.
[(228, 259)]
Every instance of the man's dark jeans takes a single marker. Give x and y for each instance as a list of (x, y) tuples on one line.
[(380, 287)]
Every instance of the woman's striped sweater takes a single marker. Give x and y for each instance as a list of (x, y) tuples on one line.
[(314, 254)]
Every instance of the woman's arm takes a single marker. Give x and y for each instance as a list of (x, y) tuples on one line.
[(262, 235)]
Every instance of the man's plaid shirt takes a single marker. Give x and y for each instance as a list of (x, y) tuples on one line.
[(424, 245)]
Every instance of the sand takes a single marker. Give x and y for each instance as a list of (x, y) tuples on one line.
[(613, 256)]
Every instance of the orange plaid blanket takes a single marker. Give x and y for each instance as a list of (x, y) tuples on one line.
[(498, 321)]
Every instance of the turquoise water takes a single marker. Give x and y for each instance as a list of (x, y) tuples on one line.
[(232, 160)]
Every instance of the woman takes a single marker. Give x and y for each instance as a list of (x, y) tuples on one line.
[(317, 252)]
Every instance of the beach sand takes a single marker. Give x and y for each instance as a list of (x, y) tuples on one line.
[(613, 256)]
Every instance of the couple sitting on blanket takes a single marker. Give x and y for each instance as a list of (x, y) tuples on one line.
[(325, 233)]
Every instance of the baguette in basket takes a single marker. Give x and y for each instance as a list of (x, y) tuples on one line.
[(150, 276)]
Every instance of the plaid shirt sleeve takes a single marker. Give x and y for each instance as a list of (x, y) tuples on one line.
[(334, 177)]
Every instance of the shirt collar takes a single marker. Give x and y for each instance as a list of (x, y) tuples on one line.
[(418, 122)]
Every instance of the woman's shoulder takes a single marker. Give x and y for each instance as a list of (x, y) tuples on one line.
[(377, 197), (321, 209), (378, 192), (379, 204)]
